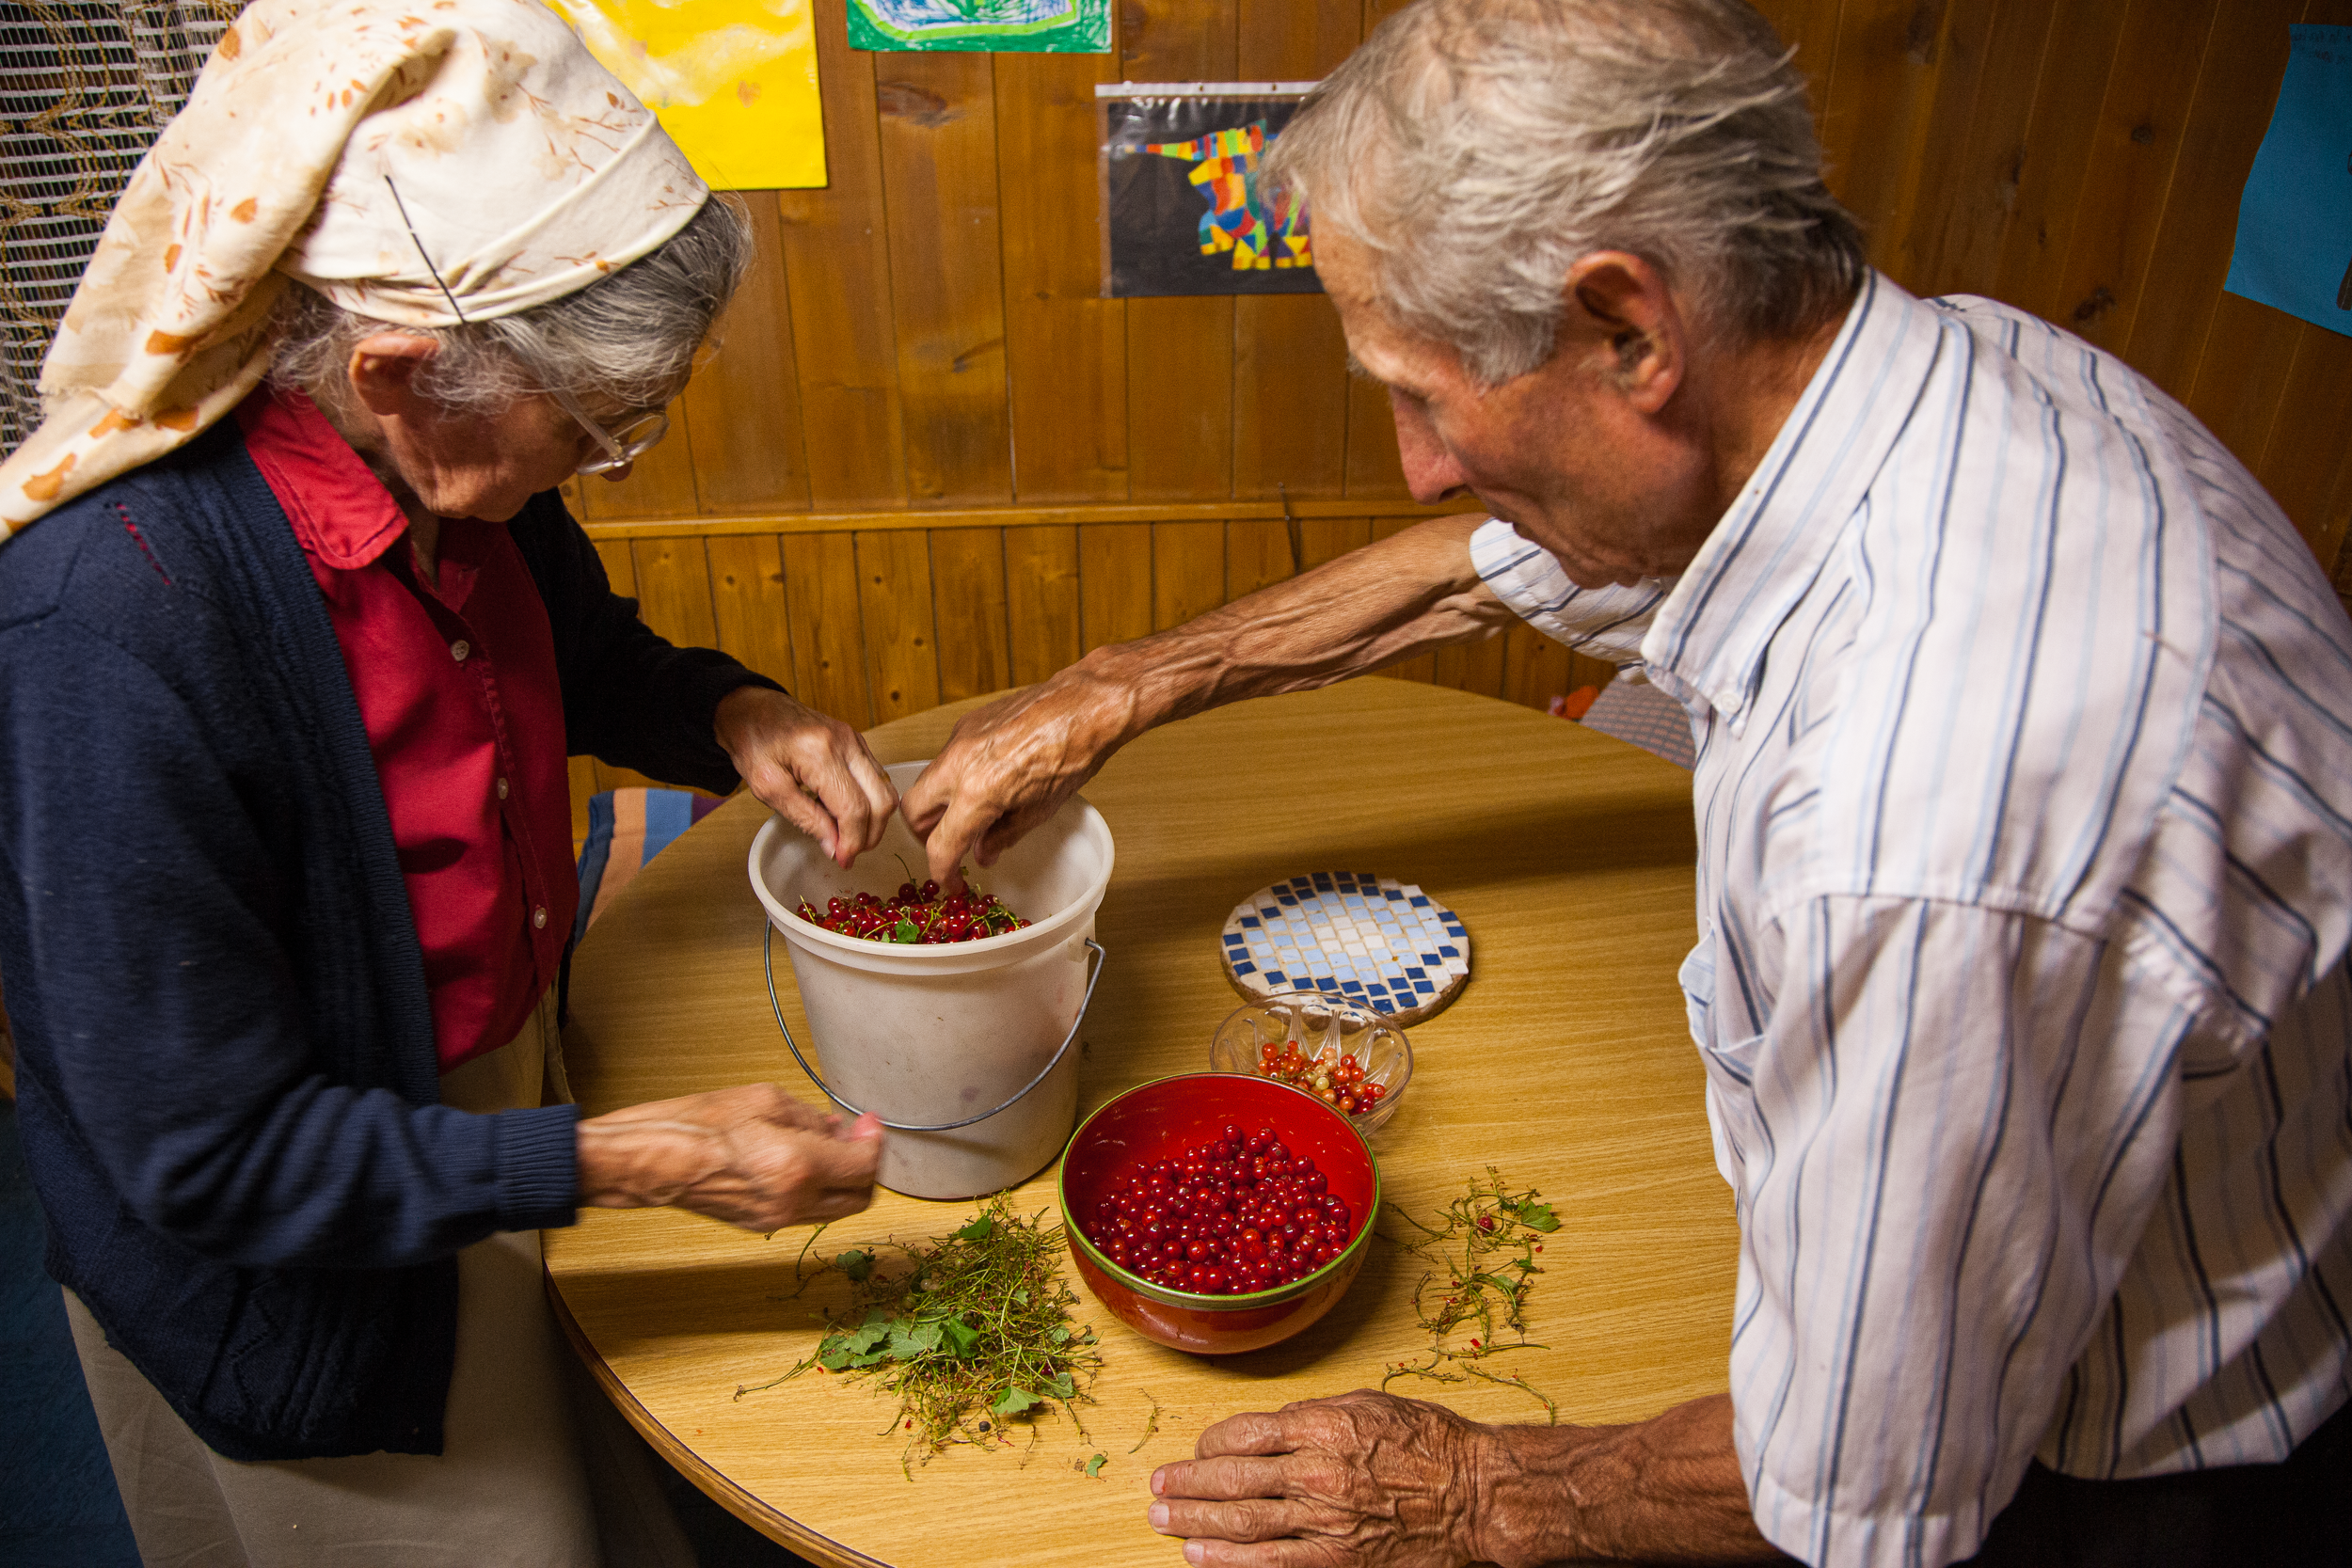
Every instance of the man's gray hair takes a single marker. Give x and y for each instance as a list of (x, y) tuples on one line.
[(629, 337), (1479, 148)]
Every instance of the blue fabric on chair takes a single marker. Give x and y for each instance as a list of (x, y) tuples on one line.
[(59, 1506)]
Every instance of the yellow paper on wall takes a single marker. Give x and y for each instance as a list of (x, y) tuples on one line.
[(733, 82)]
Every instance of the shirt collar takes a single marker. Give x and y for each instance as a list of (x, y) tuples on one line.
[(340, 512), (1708, 642)]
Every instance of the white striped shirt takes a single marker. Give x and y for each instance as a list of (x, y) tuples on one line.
[(2025, 810)]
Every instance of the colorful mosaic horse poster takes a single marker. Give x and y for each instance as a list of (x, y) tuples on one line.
[(999, 26), (1186, 212)]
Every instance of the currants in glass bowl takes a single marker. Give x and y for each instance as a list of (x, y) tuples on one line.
[(1348, 1056)]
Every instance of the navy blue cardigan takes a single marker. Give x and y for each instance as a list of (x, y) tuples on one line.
[(226, 1078)]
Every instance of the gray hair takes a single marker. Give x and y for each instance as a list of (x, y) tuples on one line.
[(630, 335), (1479, 148)]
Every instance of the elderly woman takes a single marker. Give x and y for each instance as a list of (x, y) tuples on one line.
[(288, 669)]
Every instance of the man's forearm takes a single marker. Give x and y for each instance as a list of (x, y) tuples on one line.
[(1666, 1490), (1400, 596)]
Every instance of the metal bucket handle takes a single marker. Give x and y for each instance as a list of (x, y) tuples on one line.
[(768, 961)]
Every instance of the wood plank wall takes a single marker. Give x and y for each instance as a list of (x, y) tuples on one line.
[(931, 462)]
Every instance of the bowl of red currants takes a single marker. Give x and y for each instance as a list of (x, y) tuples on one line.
[(1215, 1213), (1346, 1056)]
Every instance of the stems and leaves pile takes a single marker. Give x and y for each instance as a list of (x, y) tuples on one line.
[(970, 1333), (1481, 1254)]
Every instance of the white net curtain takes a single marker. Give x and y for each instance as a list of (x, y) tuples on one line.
[(84, 89)]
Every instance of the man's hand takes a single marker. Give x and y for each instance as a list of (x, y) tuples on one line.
[(1369, 1481), (1011, 764), (753, 1156), (815, 771), (1363, 1480)]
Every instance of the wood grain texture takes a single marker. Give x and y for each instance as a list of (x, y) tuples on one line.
[(744, 406), (837, 267), (828, 628), (620, 570), (1066, 346), (894, 595), (938, 118), (1565, 852), (1257, 554), (659, 484), (1041, 599), (1115, 583), (2076, 67), (1187, 571), (969, 607), (752, 612)]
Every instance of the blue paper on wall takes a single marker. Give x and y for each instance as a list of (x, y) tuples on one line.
[(2295, 222)]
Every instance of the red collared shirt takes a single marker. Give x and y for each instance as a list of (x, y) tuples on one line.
[(457, 686)]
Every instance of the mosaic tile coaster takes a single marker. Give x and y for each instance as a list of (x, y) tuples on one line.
[(1377, 941)]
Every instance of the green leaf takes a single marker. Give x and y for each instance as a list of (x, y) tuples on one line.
[(910, 1340), (857, 1265), (1537, 1216), (904, 931), (961, 1337), (1012, 1401), (1059, 1335), (1060, 1386), (1094, 1466), (979, 1230)]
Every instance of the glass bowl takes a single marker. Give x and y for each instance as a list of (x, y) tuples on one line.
[(1326, 1028)]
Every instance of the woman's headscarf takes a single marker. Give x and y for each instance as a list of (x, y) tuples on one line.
[(360, 147)]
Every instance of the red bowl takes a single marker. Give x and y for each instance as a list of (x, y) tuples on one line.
[(1159, 1119)]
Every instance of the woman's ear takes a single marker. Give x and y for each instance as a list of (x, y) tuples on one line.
[(383, 373)]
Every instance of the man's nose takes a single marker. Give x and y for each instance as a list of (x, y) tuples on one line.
[(1431, 472)]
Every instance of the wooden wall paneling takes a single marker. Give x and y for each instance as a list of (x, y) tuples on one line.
[(2134, 148), (1066, 346), (1377, 11), (1373, 466), (1180, 352), (1424, 666), (938, 119), (1875, 113), (2238, 83), (2241, 375), (2086, 37), (1187, 571), (827, 626), (750, 608), (1536, 668), (659, 484), (1909, 252), (2310, 440), (893, 591), (1289, 358), (744, 406), (580, 776), (837, 274), (1257, 554), (1041, 600), (1114, 583), (1810, 28), (620, 570), (1328, 538), (1975, 196), (968, 605), (674, 590), (1478, 666)]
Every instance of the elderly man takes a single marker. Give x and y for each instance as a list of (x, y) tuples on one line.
[(2025, 804)]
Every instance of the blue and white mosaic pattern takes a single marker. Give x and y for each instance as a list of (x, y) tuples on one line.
[(1380, 942)]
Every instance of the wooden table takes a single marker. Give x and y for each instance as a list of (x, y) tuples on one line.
[(1565, 1063)]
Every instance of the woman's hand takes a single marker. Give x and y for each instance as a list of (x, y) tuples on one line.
[(816, 771), (753, 1156)]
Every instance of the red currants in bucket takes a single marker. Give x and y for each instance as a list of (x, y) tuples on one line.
[(1228, 1217), (915, 914)]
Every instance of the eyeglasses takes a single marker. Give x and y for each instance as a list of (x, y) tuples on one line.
[(621, 447)]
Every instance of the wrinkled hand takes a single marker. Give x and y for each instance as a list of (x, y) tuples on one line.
[(752, 1156), (815, 771), (1009, 766), (1364, 1479)]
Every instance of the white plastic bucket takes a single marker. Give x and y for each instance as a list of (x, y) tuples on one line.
[(924, 1037)]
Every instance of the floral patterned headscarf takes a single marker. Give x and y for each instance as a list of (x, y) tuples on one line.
[(423, 163)]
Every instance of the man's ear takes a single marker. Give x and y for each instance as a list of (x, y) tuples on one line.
[(1622, 306), (383, 373)]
